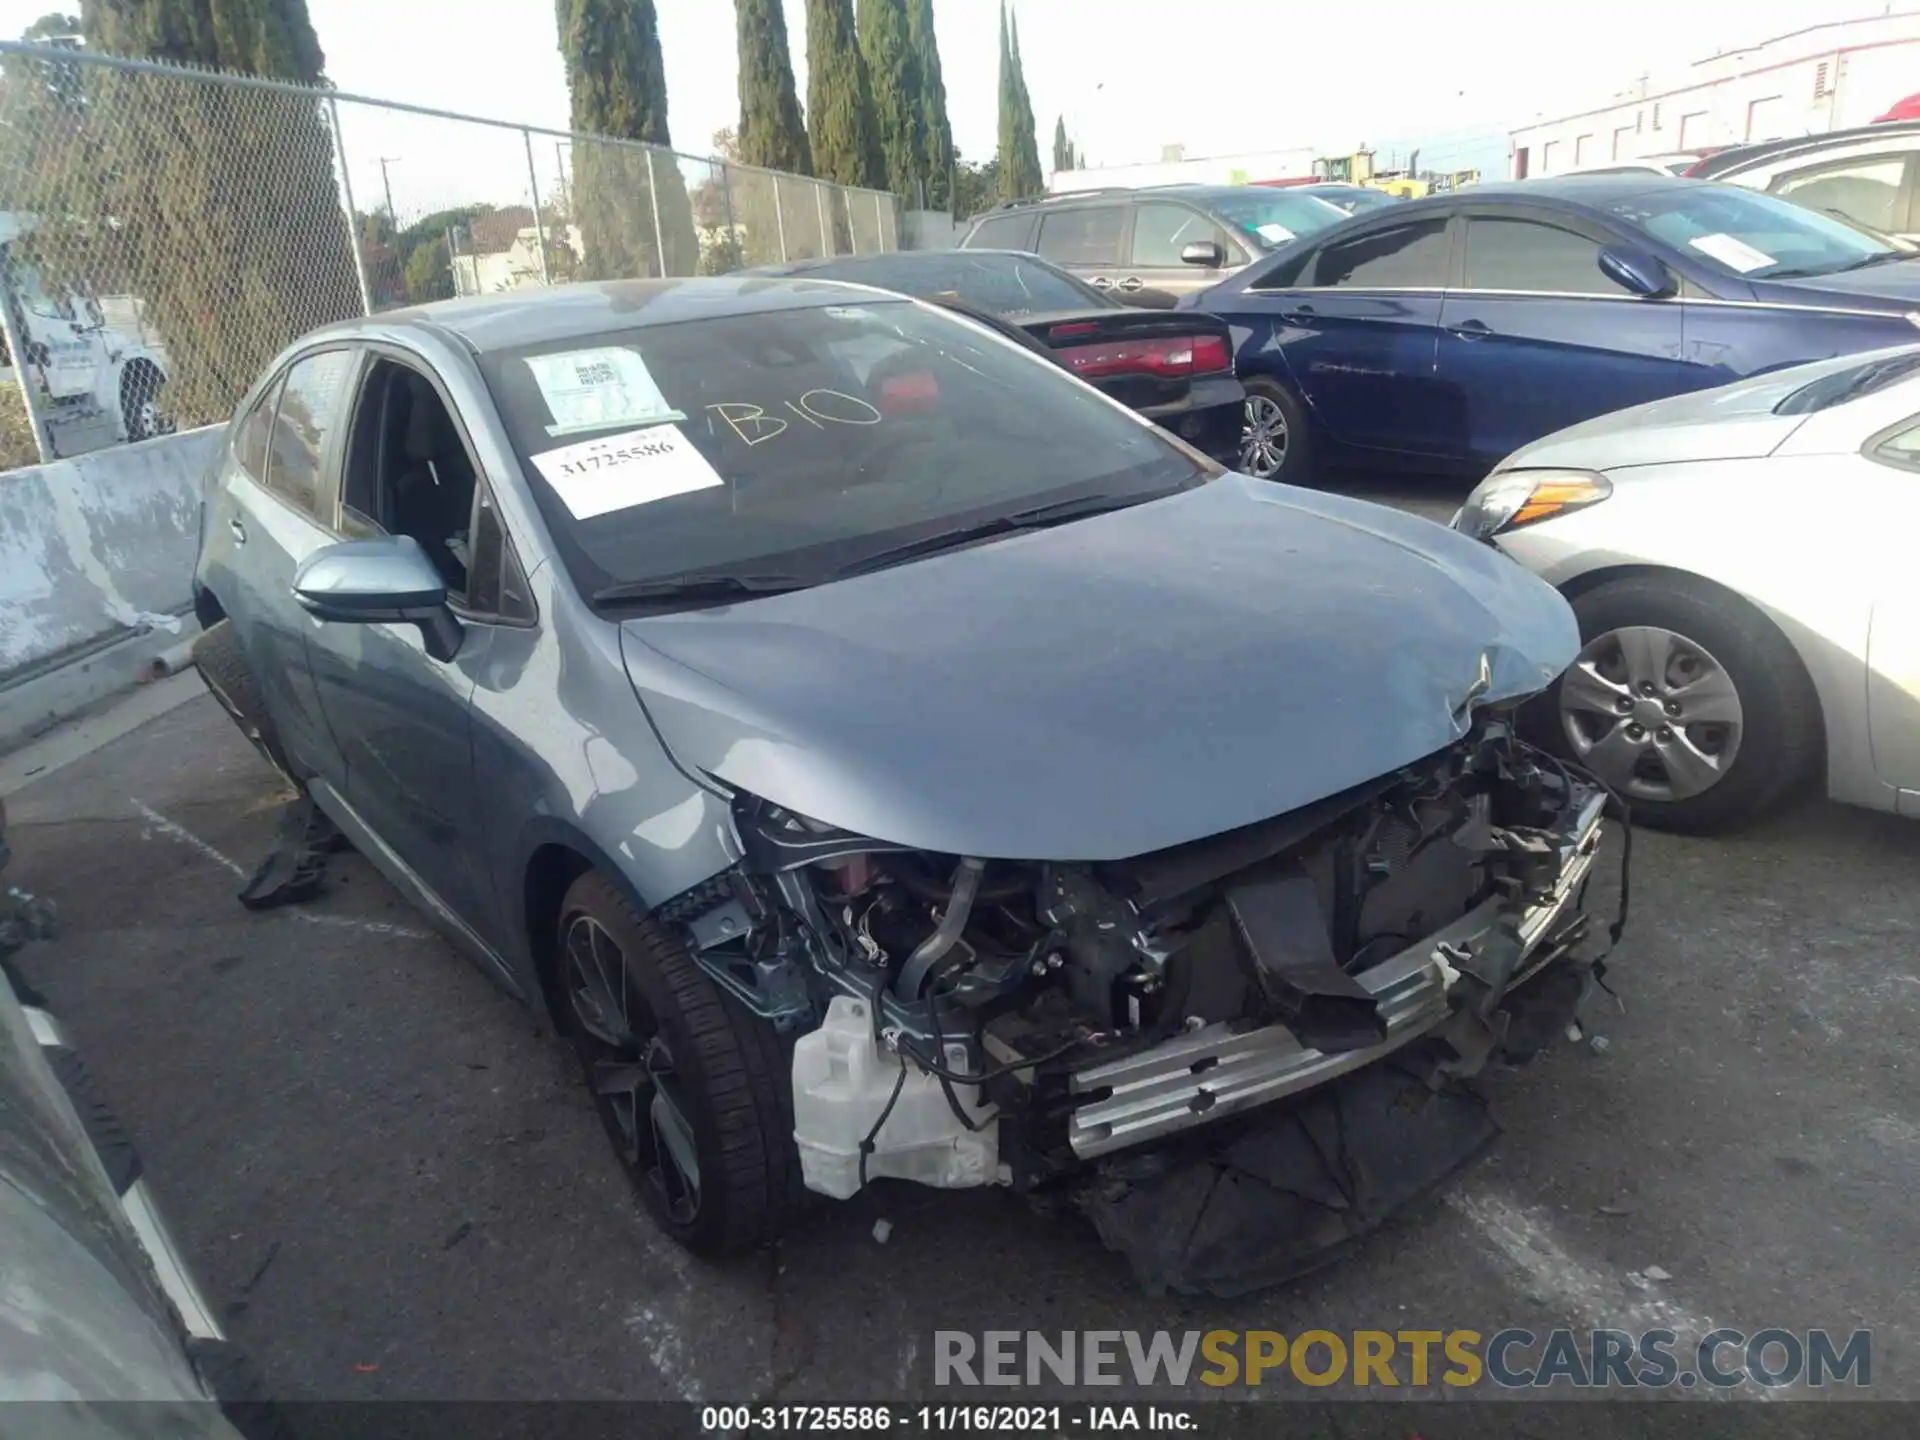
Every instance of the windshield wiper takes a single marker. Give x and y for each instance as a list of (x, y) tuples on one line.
[(1801, 272), (1037, 517), (698, 585)]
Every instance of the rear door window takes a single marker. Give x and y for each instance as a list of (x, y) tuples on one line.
[(1528, 255), (1086, 235), (1401, 257), (250, 437), (1002, 232), (311, 404)]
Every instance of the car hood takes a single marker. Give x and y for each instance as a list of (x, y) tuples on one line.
[(1111, 686), (1732, 422), (1893, 286)]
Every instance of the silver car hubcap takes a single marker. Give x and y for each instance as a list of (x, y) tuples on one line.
[(1652, 713), (1263, 438)]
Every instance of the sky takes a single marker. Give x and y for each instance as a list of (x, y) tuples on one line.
[(1130, 76)]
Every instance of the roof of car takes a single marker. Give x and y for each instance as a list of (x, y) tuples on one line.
[(1590, 189), (532, 317), (822, 262), (1738, 157)]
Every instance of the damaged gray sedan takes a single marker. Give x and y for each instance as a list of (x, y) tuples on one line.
[(886, 756)]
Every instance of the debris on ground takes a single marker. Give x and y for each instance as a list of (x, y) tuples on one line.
[(1654, 1272), (295, 869), (1600, 1044), (882, 1229)]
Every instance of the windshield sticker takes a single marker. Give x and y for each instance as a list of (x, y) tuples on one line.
[(594, 389), (1732, 252), (847, 312), (596, 477), (1275, 234), (818, 408)]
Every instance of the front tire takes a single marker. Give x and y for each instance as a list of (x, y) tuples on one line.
[(1688, 702), (222, 663), (1274, 442), (694, 1092)]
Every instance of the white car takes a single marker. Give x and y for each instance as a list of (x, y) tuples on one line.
[(1741, 561)]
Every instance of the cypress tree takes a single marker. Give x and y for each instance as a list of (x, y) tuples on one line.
[(894, 70), (1062, 151), (1019, 151), (1027, 128), (189, 170), (936, 132), (770, 130), (617, 84), (840, 121)]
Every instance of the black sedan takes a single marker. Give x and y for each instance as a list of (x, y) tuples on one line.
[(1176, 368)]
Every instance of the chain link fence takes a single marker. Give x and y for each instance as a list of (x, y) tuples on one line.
[(165, 231)]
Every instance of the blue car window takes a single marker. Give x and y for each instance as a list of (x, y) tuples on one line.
[(1525, 255), (1412, 256), (792, 440), (1744, 233)]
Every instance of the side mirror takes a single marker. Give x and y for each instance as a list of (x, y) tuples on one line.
[(384, 581), (1209, 253), (1635, 270)]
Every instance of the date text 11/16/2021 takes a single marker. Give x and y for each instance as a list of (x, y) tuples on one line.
[(1049, 1420)]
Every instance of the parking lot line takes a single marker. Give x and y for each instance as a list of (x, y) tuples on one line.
[(177, 832), (1591, 1296)]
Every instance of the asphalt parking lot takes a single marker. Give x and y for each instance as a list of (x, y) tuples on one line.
[(392, 1184)]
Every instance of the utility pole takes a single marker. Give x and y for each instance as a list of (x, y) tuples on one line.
[(387, 186)]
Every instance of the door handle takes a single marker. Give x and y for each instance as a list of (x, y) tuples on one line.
[(1100, 282), (1298, 315), (239, 530), (1130, 284), (1470, 330)]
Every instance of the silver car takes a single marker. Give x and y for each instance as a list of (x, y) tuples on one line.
[(96, 1305), (883, 754), (1740, 561)]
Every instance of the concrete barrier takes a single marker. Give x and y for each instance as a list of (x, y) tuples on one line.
[(96, 567)]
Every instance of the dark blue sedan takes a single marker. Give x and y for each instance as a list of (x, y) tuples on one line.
[(1450, 331)]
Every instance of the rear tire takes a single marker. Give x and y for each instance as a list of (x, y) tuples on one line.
[(1275, 443), (1775, 743), (722, 1071), (222, 663)]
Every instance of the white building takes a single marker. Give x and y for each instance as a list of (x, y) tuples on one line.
[(1826, 77), (1252, 167)]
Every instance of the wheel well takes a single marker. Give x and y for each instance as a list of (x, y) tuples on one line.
[(551, 871), (207, 608), (1594, 579), (142, 366)]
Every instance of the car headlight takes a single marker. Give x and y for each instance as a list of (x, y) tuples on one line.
[(1509, 499)]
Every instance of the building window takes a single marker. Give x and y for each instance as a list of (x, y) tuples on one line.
[(1656, 114), (1823, 80)]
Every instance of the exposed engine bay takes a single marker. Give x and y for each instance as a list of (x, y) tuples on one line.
[(965, 1020)]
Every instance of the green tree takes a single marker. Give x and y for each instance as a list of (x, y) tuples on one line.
[(771, 134), (1019, 150), (840, 120), (895, 73), (975, 187), (617, 82), (1062, 150), (936, 131), (429, 273), (216, 207)]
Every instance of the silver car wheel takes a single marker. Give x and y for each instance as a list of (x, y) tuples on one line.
[(1652, 713), (1263, 437)]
